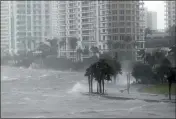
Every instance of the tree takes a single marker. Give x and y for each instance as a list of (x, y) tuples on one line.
[(53, 46), (150, 59), (100, 71), (86, 51), (172, 53), (163, 69), (159, 55), (79, 52), (62, 43), (142, 72), (110, 44), (89, 73), (113, 63), (171, 78), (94, 50), (142, 53), (73, 44), (146, 32)]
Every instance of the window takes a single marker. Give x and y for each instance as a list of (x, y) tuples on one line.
[(114, 5), (121, 11), (114, 18), (128, 5), (121, 37), (122, 30), (99, 46), (128, 17), (128, 30), (103, 46), (121, 17), (103, 37), (128, 23), (132, 18), (121, 5), (128, 11), (114, 12)]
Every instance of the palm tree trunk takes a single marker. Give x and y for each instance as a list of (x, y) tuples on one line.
[(100, 85), (115, 78), (103, 85), (97, 87), (89, 83), (170, 84)]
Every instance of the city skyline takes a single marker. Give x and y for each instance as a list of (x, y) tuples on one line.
[(157, 6)]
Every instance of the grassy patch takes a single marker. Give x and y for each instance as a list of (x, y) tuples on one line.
[(160, 89)]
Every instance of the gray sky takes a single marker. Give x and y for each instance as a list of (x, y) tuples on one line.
[(157, 6)]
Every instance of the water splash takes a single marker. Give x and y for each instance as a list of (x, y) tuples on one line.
[(79, 87)]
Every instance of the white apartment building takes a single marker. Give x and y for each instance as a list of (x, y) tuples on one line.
[(145, 17), (93, 23), (31, 23), (54, 17), (170, 13), (5, 27)]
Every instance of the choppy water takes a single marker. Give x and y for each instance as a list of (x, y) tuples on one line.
[(41, 93)]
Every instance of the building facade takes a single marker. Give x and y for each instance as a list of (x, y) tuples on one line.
[(31, 23), (93, 23), (5, 27), (150, 19), (170, 13)]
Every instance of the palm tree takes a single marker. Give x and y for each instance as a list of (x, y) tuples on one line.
[(142, 53), (62, 43), (150, 59), (86, 51), (44, 50), (171, 78), (79, 52), (146, 32), (172, 53), (94, 50), (110, 44), (100, 71), (73, 44), (89, 75), (53, 46)]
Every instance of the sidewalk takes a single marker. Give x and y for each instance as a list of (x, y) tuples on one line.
[(121, 93)]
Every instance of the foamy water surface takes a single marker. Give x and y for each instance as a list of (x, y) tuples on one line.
[(45, 93)]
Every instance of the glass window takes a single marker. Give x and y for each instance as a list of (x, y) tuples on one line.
[(122, 30), (121, 11), (121, 17)]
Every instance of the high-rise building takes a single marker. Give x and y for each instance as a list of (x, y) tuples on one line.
[(145, 17), (170, 13), (152, 20), (93, 23), (5, 27), (31, 23), (54, 17)]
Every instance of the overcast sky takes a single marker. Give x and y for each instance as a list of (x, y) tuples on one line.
[(157, 6)]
